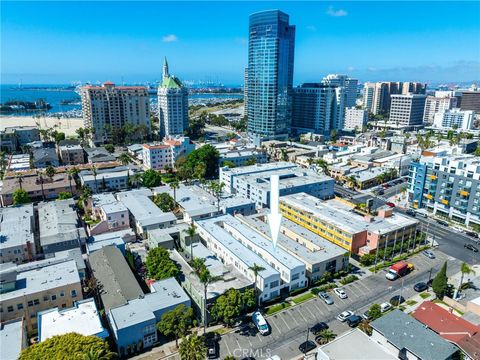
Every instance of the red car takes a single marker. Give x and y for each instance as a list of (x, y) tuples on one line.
[(392, 205)]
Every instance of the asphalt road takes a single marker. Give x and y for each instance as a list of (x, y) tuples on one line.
[(289, 327)]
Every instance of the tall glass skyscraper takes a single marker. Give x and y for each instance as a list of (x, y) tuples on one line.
[(270, 75)]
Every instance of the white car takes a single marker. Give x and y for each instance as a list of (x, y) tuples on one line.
[(344, 315), (340, 293), (385, 307)]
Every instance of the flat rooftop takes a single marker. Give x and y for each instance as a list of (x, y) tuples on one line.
[(11, 333), (346, 347), (83, 319), (343, 216), (165, 294), (143, 209), (35, 280), (262, 241), (235, 247), (326, 250), (58, 221), (259, 168), (116, 238), (102, 199), (16, 226), (289, 178), (229, 276)]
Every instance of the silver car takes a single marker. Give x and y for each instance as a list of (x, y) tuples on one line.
[(325, 297), (429, 254)]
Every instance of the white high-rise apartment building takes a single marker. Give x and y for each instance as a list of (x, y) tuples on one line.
[(368, 91), (172, 105), (355, 119), (109, 107), (406, 110), (434, 105), (346, 82), (450, 118)]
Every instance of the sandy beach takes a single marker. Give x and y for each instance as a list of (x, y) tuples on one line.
[(66, 125)]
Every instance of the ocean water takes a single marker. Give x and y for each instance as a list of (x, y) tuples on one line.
[(54, 94)]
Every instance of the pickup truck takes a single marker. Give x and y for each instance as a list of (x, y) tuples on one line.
[(399, 269)]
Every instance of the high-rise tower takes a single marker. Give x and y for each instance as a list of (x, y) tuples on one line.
[(270, 75)]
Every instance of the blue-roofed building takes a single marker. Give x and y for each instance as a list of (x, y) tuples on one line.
[(133, 324)]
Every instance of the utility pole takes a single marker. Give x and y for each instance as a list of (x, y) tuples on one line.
[(430, 274), (306, 342)]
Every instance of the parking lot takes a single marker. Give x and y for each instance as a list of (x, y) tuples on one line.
[(289, 327)]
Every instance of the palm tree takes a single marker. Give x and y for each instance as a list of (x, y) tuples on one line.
[(256, 269), (352, 181), (192, 348), (464, 269), (217, 189), (94, 173), (136, 179), (124, 159), (174, 185), (191, 231), (20, 180), (71, 173), (40, 177), (327, 335), (102, 354)]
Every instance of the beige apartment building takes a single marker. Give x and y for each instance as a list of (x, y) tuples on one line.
[(110, 107), (29, 288)]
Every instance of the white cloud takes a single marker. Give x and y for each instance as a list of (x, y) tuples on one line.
[(312, 28), (241, 40), (336, 13), (170, 38), (351, 68)]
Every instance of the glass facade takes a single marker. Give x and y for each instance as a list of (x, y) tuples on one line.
[(270, 74)]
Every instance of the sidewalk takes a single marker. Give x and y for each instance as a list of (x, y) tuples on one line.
[(169, 350)]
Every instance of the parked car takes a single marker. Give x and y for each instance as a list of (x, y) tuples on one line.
[(422, 214), (318, 327), (380, 192), (421, 286), (397, 300), (442, 222), (212, 348), (344, 315), (353, 320), (472, 234), (366, 315), (470, 247), (325, 297), (390, 204), (385, 306), (411, 212), (340, 293), (306, 346), (429, 254)]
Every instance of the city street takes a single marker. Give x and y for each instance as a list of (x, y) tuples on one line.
[(289, 327)]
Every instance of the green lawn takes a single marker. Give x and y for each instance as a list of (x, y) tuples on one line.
[(424, 295), (411, 302), (276, 308), (301, 298)]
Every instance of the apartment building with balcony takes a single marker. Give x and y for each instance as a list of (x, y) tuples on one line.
[(448, 186), (338, 222), (27, 289), (108, 214)]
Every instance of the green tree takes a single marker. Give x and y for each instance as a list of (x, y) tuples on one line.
[(58, 136), (124, 159), (109, 147), (465, 269), (159, 265), (251, 161), (151, 178), (50, 171), (192, 348), (229, 163), (176, 322), (20, 196), (217, 189), (174, 185), (164, 201), (477, 151), (191, 231), (228, 307), (64, 195), (99, 355), (256, 269), (440, 282), (207, 156), (374, 312), (326, 335), (68, 346)]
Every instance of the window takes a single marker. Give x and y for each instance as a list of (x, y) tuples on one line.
[(10, 308), (54, 297), (30, 303), (45, 298), (62, 294), (74, 293), (36, 302), (19, 306)]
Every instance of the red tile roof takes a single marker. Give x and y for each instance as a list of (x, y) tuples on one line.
[(173, 142), (471, 346), (444, 323), (146, 146)]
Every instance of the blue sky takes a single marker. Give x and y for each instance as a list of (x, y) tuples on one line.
[(59, 42)]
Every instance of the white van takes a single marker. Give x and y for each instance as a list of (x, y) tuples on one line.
[(260, 323)]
